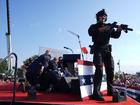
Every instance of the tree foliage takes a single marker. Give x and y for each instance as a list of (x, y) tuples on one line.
[(3, 66), (29, 60)]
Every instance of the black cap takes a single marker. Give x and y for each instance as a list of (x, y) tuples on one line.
[(100, 13)]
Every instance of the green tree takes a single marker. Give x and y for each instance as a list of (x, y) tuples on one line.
[(29, 60), (3, 66)]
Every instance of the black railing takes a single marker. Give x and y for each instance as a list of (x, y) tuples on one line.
[(14, 85)]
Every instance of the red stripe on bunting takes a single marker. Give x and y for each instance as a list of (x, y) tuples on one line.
[(88, 63)]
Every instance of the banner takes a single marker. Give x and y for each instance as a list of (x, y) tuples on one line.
[(85, 73)]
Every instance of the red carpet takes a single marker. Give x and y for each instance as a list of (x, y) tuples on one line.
[(55, 98)]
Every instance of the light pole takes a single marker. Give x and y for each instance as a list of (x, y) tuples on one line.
[(8, 35)]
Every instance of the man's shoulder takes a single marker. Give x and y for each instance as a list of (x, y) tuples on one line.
[(92, 25), (95, 25)]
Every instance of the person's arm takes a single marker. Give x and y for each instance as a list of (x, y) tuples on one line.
[(92, 32), (116, 33)]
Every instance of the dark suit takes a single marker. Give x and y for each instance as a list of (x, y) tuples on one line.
[(33, 70)]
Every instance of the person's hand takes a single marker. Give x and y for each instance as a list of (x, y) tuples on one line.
[(119, 28)]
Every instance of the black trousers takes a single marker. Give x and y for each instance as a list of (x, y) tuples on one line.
[(103, 58), (49, 78), (45, 79), (32, 78)]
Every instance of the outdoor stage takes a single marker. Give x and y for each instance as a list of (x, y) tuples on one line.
[(54, 98)]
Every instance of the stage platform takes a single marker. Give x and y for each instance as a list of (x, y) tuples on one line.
[(53, 98)]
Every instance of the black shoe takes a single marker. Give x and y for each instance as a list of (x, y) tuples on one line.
[(32, 93), (49, 89), (97, 97)]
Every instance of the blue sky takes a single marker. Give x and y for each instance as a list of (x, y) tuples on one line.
[(44, 23)]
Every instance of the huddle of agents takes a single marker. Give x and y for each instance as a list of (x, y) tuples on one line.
[(46, 72)]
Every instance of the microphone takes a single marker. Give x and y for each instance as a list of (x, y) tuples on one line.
[(66, 47), (69, 49)]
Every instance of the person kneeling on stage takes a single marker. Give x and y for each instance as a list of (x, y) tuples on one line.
[(34, 69), (50, 76)]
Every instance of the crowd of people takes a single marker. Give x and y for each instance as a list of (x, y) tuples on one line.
[(129, 80)]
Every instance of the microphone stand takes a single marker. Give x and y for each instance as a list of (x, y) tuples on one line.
[(79, 42)]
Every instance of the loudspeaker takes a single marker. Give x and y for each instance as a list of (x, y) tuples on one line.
[(62, 86), (71, 57), (119, 96), (75, 86)]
